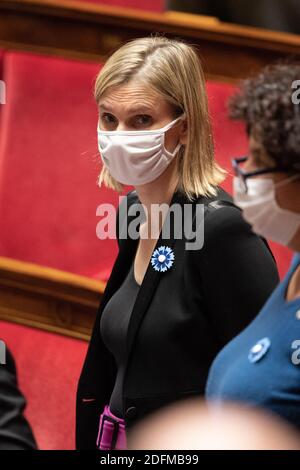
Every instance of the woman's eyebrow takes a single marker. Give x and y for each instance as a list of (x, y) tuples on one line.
[(106, 107), (136, 108), (140, 107)]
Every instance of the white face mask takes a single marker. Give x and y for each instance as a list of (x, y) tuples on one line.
[(261, 211), (136, 157)]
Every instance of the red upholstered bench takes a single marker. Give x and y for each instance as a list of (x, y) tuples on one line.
[(49, 165), (48, 368), (48, 200)]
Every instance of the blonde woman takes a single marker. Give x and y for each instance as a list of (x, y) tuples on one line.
[(167, 309)]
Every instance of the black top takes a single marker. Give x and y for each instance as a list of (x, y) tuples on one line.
[(113, 326), (15, 432), (182, 317)]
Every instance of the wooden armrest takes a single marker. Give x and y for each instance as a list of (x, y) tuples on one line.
[(48, 298)]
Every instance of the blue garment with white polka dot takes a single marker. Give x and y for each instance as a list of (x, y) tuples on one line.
[(261, 366)]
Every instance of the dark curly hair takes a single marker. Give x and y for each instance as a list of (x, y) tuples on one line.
[(265, 104)]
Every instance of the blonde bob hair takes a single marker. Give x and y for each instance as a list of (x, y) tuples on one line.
[(174, 69)]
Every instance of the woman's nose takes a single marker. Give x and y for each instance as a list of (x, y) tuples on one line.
[(121, 127)]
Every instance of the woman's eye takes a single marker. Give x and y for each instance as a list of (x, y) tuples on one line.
[(143, 120), (107, 118)]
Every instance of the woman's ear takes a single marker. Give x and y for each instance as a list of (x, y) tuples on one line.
[(183, 132)]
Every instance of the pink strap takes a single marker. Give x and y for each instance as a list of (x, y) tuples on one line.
[(107, 428)]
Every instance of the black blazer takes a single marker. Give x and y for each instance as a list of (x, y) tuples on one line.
[(181, 318), (15, 432)]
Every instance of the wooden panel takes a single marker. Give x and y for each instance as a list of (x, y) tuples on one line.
[(47, 298), (91, 32)]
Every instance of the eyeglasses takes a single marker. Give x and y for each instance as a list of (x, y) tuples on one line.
[(244, 175)]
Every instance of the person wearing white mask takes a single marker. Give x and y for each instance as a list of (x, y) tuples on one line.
[(261, 366), (167, 309)]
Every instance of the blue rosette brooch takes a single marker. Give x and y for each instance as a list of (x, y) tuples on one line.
[(162, 258)]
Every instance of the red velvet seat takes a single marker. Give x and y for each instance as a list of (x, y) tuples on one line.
[(48, 200), (49, 164), (48, 368)]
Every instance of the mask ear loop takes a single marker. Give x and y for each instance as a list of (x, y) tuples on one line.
[(177, 148), (171, 124), (167, 127)]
